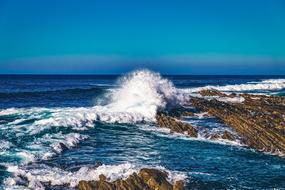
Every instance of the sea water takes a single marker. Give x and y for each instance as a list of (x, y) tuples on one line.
[(55, 128)]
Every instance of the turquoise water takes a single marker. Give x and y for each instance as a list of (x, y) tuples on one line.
[(51, 132)]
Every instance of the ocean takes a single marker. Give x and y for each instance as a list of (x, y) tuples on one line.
[(55, 128)]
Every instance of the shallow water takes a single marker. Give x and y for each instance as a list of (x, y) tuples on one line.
[(41, 113)]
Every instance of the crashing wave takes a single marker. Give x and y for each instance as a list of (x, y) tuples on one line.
[(137, 99)]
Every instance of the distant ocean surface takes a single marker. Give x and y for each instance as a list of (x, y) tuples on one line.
[(54, 128)]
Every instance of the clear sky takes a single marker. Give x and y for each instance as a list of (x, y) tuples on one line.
[(169, 36)]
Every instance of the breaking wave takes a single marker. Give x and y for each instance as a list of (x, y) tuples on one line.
[(137, 99), (268, 85)]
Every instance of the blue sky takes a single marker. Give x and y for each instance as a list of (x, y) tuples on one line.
[(169, 36)]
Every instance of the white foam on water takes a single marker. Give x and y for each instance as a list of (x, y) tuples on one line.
[(4, 146), (202, 131), (202, 115), (49, 145), (9, 111), (36, 177), (26, 156), (137, 99), (143, 92), (237, 99), (271, 84)]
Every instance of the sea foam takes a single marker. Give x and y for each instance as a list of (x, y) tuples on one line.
[(271, 84)]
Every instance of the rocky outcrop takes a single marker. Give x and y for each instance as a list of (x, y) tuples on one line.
[(259, 120), (211, 93), (146, 179), (175, 125)]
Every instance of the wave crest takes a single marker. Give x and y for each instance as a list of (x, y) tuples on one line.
[(143, 92), (266, 85)]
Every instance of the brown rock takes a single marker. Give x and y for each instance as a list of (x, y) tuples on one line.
[(155, 179), (178, 185), (146, 179), (102, 177), (176, 126), (212, 92), (259, 120), (228, 136)]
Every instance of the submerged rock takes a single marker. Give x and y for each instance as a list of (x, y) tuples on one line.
[(259, 120), (146, 179)]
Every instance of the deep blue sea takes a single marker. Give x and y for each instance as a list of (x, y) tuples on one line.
[(55, 128)]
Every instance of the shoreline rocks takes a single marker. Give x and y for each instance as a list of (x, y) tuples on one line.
[(167, 121), (259, 119), (145, 179)]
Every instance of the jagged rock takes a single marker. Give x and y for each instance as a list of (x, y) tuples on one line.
[(259, 120), (155, 179), (146, 179), (228, 136), (176, 126)]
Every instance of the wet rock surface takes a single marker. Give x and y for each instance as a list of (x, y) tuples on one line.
[(175, 125), (145, 179), (259, 119)]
